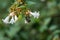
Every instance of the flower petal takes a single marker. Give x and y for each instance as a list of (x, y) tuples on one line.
[(12, 20), (6, 20), (35, 14), (16, 18), (26, 22)]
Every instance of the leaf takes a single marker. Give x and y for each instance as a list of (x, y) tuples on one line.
[(44, 25), (56, 32), (30, 2), (23, 6), (13, 30), (53, 27), (51, 4)]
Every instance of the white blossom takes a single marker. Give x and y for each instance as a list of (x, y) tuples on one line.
[(12, 20), (26, 21), (16, 18), (35, 14), (6, 20)]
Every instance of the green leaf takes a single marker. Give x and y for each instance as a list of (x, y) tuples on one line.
[(44, 25), (56, 32), (53, 27), (13, 30), (30, 2)]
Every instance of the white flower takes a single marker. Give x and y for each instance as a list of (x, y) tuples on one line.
[(6, 20), (35, 14), (16, 18), (26, 21), (12, 20)]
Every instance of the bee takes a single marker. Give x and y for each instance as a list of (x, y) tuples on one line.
[(27, 16)]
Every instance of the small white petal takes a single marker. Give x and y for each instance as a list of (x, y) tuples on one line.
[(6, 20), (35, 14), (26, 22), (16, 18), (12, 20)]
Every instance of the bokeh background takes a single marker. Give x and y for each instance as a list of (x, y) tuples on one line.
[(47, 27)]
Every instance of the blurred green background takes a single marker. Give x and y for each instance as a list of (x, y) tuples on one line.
[(47, 27)]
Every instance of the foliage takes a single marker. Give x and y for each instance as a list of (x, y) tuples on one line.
[(47, 27)]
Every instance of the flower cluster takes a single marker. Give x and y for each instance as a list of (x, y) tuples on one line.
[(34, 14), (12, 20), (16, 10)]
